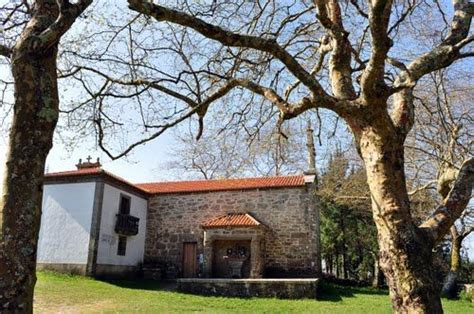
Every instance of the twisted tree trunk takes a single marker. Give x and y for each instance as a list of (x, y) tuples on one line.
[(405, 251)]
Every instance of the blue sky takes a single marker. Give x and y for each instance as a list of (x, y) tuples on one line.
[(142, 166)]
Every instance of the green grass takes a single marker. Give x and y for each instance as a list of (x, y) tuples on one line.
[(74, 294)]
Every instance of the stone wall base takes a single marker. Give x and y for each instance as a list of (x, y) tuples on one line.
[(246, 288), (75, 269)]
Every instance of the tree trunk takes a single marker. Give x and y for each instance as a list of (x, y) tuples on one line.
[(377, 280), (345, 268), (405, 252), (451, 281), (329, 264), (34, 119)]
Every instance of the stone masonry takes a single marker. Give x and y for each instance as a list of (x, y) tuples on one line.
[(290, 218)]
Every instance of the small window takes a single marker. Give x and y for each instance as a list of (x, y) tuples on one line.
[(124, 208), (122, 246)]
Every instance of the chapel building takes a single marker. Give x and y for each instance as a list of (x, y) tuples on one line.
[(98, 224)]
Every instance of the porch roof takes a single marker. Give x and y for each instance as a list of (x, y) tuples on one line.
[(232, 220)]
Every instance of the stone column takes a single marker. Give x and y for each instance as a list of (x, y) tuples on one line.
[(256, 257), (311, 181), (207, 251)]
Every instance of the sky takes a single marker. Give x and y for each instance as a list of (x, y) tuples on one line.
[(144, 164)]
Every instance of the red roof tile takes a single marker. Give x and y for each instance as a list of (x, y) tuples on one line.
[(189, 186), (80, 172), (232, 220), (95, 171), (222, 184)]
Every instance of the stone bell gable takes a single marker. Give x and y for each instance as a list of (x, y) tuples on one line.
[(275, 223)]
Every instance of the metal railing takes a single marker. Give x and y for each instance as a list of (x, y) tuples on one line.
[(126, 225)]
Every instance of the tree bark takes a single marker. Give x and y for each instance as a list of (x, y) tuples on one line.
[(35, 117), (36, 109), (377, 280), (329, 265), (405, 251), (450, 284)]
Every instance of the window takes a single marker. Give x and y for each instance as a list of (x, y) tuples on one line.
[(122, 246), (124, 208)]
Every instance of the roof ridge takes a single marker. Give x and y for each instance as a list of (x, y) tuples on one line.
[(190, 186), (253, 218), (222, 179), (72, 171)]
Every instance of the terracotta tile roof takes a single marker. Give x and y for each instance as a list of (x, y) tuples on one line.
[(222, 184), (232, 220), (91, 172), (80, 172), (186, 186)]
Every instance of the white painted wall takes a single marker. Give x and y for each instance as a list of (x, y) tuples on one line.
[(107, 251), (66, 223)]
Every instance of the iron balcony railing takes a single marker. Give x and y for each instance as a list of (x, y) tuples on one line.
[(126, 225)]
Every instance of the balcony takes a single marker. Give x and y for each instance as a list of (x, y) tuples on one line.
[(126, 225)]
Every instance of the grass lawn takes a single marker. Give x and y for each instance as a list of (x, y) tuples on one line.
[(57, 293)]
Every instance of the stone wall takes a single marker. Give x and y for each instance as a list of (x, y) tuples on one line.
[(250, 288), (290, 241)]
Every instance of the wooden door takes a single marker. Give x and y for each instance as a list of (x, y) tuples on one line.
[(189, 260)]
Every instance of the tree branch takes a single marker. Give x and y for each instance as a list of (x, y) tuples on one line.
[(287, 110), (426, 186), (51, 35), (467, 232), (324, 49), (329, 14), (470, 9), (5, 51), (440, 57), (136, 82), (231, 39), (438, 224), (161, 130), (445, 53), (373, 75)]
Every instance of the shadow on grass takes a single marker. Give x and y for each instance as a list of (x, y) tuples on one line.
[(143, 284), (326, 291), (335, 293)]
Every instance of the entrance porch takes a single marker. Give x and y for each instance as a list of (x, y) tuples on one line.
[(233, 247)]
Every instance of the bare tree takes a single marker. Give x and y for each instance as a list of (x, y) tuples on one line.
[(371, 91), (459, 231), (32, 56), (360, 60), (224, 152), (440, 143)]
